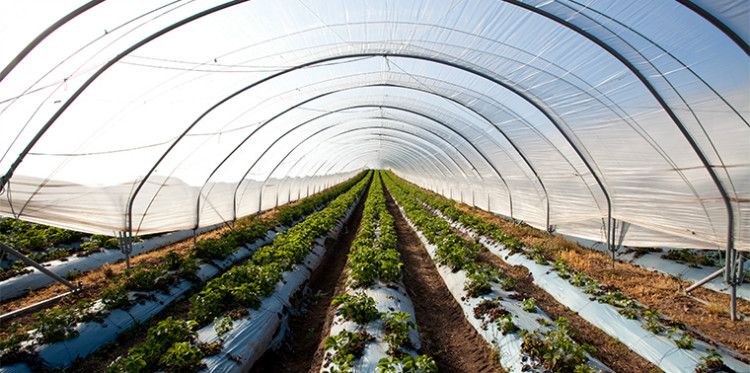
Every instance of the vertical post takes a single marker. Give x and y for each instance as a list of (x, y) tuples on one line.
[(611, 240), (737, 280), (126, 246), (195, 236)]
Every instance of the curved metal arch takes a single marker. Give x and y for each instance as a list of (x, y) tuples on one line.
[(276, 116), (68, 102), (725, 197), (477, 150), (668, 82), (332, 126), (380, 136), (308, 100), (407, 123), (318, 163), (328, 59), (491, 125), (617, 55), (43, 35), (718, 23), (390, 143)]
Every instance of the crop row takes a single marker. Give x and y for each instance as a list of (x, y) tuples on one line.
[(61, 323), (375, 272), (505, 317), (596, 291), (227, 298), (43, 243)]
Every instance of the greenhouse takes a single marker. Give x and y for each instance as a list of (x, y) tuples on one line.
[(375, 186)]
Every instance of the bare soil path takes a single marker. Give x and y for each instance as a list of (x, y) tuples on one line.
[(445, 333), (304, 351)]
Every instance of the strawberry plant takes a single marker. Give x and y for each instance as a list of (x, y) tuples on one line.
[(345, 347), (479, 279), (555, 348), (407, 364), (223, 325), (710, 363), (653, 321), (56, 324), (397, 327), (170, 345), (359, 308), (116, 297), (374, 257), (11, 349), (245, 286), (182, 357), (529, 305), (685, 342)]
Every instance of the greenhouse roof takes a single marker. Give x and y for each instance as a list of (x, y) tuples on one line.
[(153, 116)]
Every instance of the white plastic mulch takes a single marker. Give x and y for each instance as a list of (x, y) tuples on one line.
[(509, 345), (93, 335), (658, 349), (654, 262), (250, 336), (387, 299), (19, 285)]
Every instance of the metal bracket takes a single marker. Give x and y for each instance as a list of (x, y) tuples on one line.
[(125, 239)]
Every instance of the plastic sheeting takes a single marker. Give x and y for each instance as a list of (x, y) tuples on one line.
[(388, 299), (509, 345), (167, 115), (252, 335), (35, 279), (94, 334)]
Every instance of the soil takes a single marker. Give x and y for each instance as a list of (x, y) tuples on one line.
[(101, 359), (96, 280), (445, 333), (304, 349), (704, 310), (609, 351)]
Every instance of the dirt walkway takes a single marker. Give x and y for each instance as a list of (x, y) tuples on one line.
[(609, 351), (445, 333), (304, 353)]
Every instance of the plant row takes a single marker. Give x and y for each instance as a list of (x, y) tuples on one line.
[(373, 255), (373, 261), (43, 243), (228, 297), (650, 320), (60, 323), (549, 344)]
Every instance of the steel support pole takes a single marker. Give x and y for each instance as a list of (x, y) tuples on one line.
[(38, 266), (35, 306), (612, 243), (705, 280), (736, 281)]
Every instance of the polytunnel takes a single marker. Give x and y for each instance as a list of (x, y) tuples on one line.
[(618, 122)]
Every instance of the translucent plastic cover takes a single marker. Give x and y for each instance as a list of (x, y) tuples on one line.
[(152, 116)]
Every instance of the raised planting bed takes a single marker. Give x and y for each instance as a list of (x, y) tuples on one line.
[(91, 324), (668, 344), (374, 326), (239, 313), (33, 279), (526, 338)]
